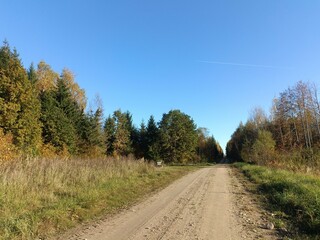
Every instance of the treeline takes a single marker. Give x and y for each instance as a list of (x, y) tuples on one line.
[(288, 137), (43, 113)]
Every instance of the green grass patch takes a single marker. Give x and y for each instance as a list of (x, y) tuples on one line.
[(297, 196), (41, 198)]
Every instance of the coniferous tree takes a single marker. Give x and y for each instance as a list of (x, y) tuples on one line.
[(122, 142), (19, 106), (143, 145), (109, 134), (60, 117), (133, 145), (152, 140), (71, 113), (58, 129), (92, 135), (117, 134), (32, 75)]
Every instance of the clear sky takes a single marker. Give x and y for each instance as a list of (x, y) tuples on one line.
[(214, 60)]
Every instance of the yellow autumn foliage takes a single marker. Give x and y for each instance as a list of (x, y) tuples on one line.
[(8, 151)]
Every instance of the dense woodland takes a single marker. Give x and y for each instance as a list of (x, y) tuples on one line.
[(43, 113), (288, 137)]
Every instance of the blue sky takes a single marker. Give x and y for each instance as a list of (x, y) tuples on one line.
[(214, 60)]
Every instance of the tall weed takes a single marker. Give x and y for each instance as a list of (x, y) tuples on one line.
[(40, 197)]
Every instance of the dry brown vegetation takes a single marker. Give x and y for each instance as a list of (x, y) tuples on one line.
[(41, 197)]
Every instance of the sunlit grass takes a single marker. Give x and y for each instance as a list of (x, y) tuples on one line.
[(41, 197), (296, 195)]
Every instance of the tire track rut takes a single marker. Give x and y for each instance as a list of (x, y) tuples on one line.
[(200, 206)]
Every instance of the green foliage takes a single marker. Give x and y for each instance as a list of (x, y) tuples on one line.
[(296, 195), (153, 140), (44, 112), (134, 136), (117, 132), (263, 149), (109, 132), (208, 149), (139, 141), (92, 134), (178, 137), (58, 129), (239, 148), (59, 117), (289, 138), (19, 105), (32, 75), (143, 142)]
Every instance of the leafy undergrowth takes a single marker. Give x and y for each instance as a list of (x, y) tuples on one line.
[(41, 198), (295, 196)]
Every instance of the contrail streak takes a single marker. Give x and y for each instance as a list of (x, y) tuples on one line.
[(242, 64)]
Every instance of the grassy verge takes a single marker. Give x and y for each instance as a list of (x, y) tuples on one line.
[(40, 198), (294, 196)]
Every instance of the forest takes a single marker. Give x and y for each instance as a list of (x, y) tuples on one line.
[(45, 114), (289, 137)]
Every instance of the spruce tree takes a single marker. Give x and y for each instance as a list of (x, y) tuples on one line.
[(143, 145), (109, 134), (152, 140), (70, 113), (19, 105), (122, 142), (91, 135), (32, 75)]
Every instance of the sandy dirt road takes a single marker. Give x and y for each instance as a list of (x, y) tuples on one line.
[(202, 205)]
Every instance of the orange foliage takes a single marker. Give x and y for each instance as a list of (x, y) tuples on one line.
[(8, 150), (48, 151)]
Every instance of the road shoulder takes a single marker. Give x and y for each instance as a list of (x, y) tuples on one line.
[(254, 220)]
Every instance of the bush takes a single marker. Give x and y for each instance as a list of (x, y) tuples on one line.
[(8, 151)]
